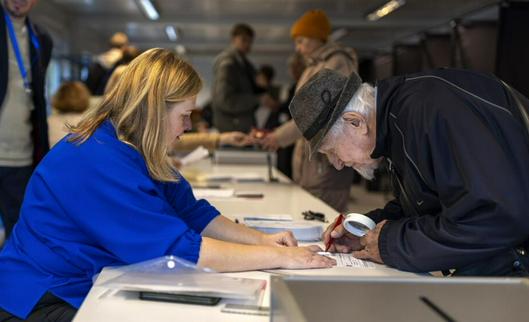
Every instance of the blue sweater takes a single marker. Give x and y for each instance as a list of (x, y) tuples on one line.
[(89, 206)]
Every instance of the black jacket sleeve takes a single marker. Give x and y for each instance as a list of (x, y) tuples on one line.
[(391, 211), (477, 159)]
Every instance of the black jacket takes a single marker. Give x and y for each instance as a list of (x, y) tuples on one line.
[(459, 155), (39, 64)]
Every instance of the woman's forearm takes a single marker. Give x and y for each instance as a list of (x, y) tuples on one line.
[(224, 256), (224, 229)]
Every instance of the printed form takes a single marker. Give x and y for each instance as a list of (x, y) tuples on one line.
[(347, 260)]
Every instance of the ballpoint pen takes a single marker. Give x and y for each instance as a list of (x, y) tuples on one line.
[(337, 223)]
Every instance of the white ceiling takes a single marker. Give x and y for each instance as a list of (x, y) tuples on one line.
[(204, 25)]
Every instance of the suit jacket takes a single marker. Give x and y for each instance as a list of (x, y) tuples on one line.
[(39, 63), (234, 98)]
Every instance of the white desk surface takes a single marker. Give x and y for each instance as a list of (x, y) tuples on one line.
[(279, 198)]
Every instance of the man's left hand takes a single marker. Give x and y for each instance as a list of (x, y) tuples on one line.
[(370, 243)]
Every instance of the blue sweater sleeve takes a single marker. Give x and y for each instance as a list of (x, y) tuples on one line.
[(109, 195), (196, 213)]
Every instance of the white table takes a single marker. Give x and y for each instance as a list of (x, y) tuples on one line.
[(279, 198)]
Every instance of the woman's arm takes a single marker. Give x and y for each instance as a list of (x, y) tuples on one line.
[(229, 257), (228, 246), (222, 228)]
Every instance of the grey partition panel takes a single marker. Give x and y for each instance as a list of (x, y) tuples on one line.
[(478, 41), (437, 51), (341, 299), (383, 66), (407, 59)]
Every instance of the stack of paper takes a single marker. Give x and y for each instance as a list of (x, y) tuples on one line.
[(204, 193), (347, 260), (302, 230), (242, 177), (194, 156)]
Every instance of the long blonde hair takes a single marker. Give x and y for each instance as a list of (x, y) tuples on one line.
[(137, 106)]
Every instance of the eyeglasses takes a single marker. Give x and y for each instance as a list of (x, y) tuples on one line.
[(312, 215)]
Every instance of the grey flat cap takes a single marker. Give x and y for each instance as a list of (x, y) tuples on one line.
[(320, 102)]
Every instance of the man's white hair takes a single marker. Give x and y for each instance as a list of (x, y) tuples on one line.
[(362, 102)]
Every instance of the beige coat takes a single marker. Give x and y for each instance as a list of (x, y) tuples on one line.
[(318, 176)]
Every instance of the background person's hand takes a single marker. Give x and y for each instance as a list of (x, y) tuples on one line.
[(269, 142), (282, 238), (304, 257), (344, 242), (234, 138), (369, 243)]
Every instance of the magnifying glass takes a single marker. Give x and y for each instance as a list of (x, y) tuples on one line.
[(358, 224)]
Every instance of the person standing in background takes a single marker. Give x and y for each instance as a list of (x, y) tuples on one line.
[(104, 64), (296, 66), (267, 116), (25, 51), (69, 103), (311, 37), (235, 95)]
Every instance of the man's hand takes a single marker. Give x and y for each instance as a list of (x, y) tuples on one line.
[(369, 243), (283, 238), (344, 242)]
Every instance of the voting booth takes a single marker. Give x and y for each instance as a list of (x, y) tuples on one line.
[(410, 299)]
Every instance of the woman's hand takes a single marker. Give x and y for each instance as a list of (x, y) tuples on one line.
[(304, 257), (283, 238)]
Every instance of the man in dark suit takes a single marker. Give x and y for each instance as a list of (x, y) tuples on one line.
[(25, 52), (235, 95)]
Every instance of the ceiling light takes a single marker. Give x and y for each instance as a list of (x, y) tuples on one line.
[(385, 9), (148, 9), (171, 33)]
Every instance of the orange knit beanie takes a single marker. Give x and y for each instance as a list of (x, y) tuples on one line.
[(313, 24)]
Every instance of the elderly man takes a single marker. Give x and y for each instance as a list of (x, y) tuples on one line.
[(457, 146)]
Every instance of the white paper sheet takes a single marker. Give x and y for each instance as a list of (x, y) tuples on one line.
[(201, 193), (347, 260), (195, 155), (302, 230)]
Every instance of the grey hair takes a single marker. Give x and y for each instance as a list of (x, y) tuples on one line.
[(362, 102)]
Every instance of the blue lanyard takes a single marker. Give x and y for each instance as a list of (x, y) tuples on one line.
[(16, 49)]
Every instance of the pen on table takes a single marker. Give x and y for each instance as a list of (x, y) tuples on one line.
[(337, 223)]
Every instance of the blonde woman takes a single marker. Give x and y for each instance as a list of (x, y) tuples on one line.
[(108, 196), (69, 103), (190, 141)]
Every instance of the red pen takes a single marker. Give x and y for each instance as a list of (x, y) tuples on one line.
[(337, 223)]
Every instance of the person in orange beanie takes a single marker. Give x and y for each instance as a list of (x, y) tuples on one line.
[(311, 37)]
